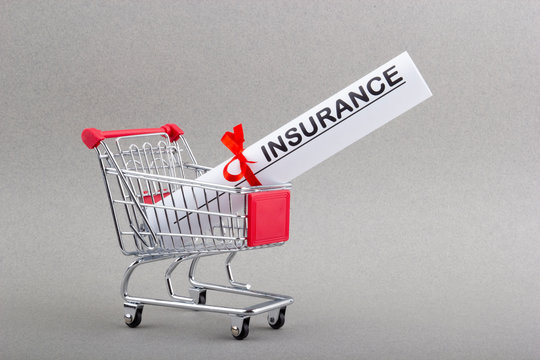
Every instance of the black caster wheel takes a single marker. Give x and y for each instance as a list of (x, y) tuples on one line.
[(240, 333), (202, 297), (277, 320), (198, 295), (133, 319)]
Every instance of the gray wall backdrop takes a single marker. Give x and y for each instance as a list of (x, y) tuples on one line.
[(419, 241)]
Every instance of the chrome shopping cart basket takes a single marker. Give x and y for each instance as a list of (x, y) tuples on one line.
[(162, 212)]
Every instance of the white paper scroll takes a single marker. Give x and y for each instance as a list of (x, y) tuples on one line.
[(322, 131)]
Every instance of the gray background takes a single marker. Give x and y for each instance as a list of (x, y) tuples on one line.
[(418, 242)]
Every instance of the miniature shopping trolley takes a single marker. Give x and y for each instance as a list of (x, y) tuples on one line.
[(162, 212)]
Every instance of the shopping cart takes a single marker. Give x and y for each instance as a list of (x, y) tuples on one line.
[(152, 174)]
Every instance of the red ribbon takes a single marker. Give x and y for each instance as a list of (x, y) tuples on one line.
[(235, 143)]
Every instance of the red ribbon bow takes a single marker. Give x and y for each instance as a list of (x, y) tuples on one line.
[(235, 143)]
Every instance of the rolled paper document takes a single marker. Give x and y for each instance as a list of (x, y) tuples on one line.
[(314, 136)]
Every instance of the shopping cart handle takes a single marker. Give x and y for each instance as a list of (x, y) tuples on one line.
[(92, 137)]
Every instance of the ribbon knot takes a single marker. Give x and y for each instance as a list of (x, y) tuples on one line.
[(234, 141)]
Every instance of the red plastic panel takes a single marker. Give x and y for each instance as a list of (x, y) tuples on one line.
[(268, 217), (156, 198)]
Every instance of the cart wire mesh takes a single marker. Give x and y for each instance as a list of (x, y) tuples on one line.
[(144, 175)]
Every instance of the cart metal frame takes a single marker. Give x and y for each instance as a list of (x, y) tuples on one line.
[(141, 168)]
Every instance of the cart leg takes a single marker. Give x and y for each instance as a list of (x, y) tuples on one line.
[(129, 271), (230, 274), (198, 290), (198, 296), (198, 293)]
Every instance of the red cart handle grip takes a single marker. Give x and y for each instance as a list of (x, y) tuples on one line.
[(92, 137)]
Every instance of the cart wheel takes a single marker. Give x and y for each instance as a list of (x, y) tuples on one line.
[(277, 321), (202, 297), (198, 295), (241, 333), (133, 320)]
